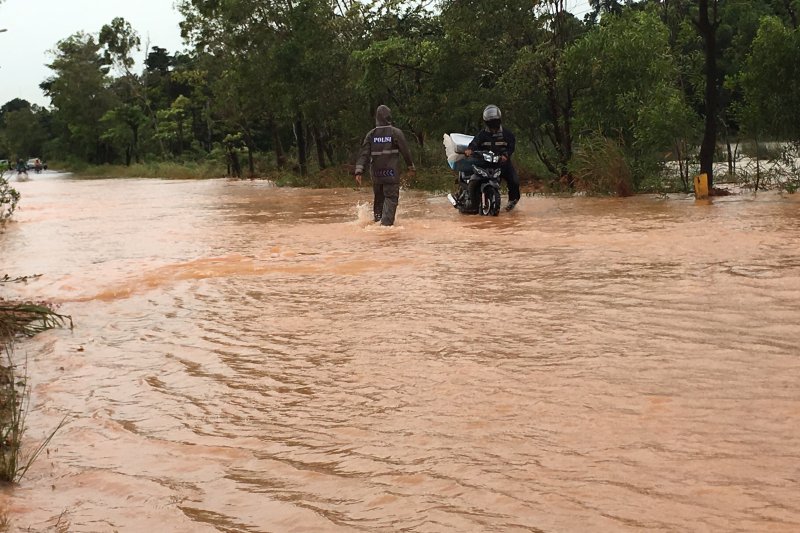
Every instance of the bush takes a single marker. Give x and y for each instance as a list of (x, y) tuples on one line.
[(9, 198), (19, 319), (600, 167)]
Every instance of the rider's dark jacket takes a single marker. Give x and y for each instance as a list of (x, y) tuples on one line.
[(502, 142), (382, 147)]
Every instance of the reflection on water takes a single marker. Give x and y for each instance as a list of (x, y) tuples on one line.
[(250, 358)]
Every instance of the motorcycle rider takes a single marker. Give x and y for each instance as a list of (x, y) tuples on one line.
[(382, 147), (499, 140), (22, 167)]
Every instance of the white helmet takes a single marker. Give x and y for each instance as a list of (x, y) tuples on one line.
[(491, 112)]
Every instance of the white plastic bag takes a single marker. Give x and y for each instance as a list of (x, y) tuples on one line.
[(454, 146)]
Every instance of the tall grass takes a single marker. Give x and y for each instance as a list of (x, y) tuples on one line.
[(28, 319), (14, 404), (601, 167)]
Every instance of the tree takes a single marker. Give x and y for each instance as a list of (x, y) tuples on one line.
[(119, 40), (399, 70), (79, 95), (770, 80), (27, 134), (278, 66), (707, 24), (541, 96), (123, 124), (172, 123), (631, 93)]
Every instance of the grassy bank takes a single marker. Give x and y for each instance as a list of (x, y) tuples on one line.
[(157, 169), (438, 178)]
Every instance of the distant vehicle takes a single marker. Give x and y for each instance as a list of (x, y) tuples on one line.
[(36, 164)]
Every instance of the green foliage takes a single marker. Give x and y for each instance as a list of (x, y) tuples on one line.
[(79, 91), (627, 66), (9, 198), (299, 82), (28, 319), (119, 40), (122, 125), (26, 132), (770, 82)]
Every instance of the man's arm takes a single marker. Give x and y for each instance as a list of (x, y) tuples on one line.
[(474, 144), (511, 143)]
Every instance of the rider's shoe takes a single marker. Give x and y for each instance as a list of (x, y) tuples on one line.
[(511, 205)]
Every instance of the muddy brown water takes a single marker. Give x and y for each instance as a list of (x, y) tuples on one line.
[(257, 359)]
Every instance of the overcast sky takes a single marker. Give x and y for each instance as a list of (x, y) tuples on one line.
[(35, 26)]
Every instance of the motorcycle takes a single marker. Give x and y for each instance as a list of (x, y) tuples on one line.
[(478, 184)]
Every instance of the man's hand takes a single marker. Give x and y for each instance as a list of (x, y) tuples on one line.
[(504, 158), (410, 174), (358, 179), (468, 152)]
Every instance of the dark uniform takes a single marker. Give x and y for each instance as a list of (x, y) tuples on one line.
[(381, 149), (500, 142)]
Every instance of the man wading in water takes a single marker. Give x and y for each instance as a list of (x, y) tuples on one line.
[(381, 149)]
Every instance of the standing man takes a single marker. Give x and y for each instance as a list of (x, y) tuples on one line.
[(382, 148), (501, 141)]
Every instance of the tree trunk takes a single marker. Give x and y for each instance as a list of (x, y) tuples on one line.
[(790, 10), (329, 153), (209, 136), (683, 165), (758, 166), (319, 142), (302, 149), (730, 157), (249, 143), (234, 167), (707, 27), (280, 156), (180, 136), (136, 143)]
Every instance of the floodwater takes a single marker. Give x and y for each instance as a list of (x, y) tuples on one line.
[(248, 358)]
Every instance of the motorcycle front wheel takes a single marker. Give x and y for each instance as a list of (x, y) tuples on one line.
[(490, 202)]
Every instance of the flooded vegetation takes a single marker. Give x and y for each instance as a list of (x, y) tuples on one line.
[(253, 358)]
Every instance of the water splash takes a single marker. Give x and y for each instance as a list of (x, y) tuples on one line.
[(364, 215)]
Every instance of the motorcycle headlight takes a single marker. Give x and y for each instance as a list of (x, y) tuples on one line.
[(481, 172)]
